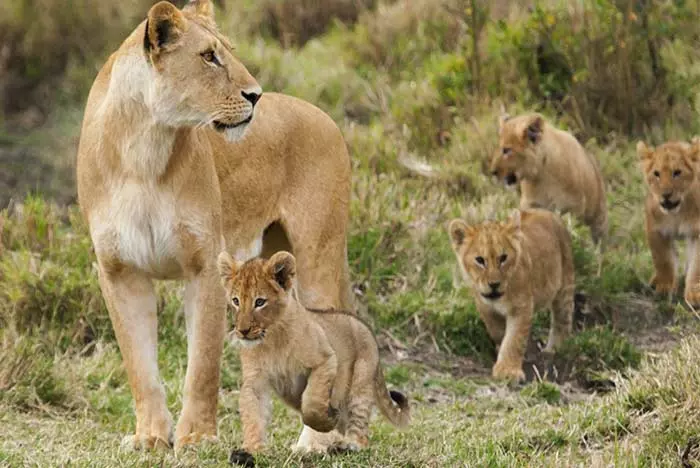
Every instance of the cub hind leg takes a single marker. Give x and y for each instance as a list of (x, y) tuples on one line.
[(562, 317), (359, 407)]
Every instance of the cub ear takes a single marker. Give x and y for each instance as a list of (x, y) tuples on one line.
[(460, 232), (514, 220), (643, 151), (227, 267), (165, 24), (282, 268), (533, 131), (694, 150), (200, 7), (502, 119)]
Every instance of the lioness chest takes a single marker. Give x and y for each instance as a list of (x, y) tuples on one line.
[(140, 225)]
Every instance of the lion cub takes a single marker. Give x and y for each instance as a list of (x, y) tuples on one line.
[(324, 364), (553, 170), (672, 211), (514, 268)]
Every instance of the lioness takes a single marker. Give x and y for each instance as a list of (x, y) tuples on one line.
[(554, 171), (324, 364), (514, 268), (160, 150), (672, 211)]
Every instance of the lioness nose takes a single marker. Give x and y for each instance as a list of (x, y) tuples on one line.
[(252, 97), (495, 285)]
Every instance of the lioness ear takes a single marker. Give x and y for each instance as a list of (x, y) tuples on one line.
[(227, 267), (200, 7), (282, 267), (164, 26), (533, 132), (460, 232), (644, 151)]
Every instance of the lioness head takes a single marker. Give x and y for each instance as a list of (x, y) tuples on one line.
[(669, 170), (517, 141), (258, 291), (196, 80), (488, 254)]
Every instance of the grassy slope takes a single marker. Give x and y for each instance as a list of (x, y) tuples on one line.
[(395, 87)]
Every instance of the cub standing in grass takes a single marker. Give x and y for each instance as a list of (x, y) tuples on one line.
[(324, 364), (553, 169), (514, 268), (672, 211)]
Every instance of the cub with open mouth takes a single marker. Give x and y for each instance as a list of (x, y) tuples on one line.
[(514, 268), (672, 211)]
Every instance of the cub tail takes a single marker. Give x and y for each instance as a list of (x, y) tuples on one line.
[(392, 404)]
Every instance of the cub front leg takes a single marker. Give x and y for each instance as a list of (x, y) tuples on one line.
[(692, 276), (206, 325), (509, 364), (664, 258), (495, 323), (316, 410), (254, 405)]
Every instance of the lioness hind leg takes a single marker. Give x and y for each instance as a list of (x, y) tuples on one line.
[(131, 301)]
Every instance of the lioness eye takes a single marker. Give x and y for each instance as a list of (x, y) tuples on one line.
[(259, 302), (210, 57), (503, 258), (480, 260), (656, 174), (235, 301), (676, 173)]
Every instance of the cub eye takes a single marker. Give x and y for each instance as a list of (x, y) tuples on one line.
[(259, 302), (480, 260), (506, 151), (657, 174), (676, 174), (502, 259), (236, 302), (210, 57)]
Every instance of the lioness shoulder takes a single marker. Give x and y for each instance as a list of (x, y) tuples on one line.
[(514, 268), (553, 169)]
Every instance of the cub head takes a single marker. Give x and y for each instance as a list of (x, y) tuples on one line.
[(670, 170), (195, 79), (258, 292), (518, 138), (488, 254)]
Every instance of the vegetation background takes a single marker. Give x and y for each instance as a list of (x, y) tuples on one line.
[(415, 86)]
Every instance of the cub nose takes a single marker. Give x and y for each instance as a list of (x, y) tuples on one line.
[(252, 97), (244, 332), (667, 195), (495, 285)]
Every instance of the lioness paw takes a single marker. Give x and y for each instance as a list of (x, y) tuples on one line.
[(507, 372), (692, 297), (194, 438), (241, 458), (663, 286)]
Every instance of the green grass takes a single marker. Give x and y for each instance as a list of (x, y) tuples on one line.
[(403, 85)]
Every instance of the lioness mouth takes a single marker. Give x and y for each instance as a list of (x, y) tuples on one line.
[(493, 295), (221, 126), (669, 205), (511, 179)]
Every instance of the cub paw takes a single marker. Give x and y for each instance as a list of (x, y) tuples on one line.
[(241, 458), (663, 286), (508, 372), (144, 442), (321, 422), (193, 439), (343, 447), (693, 298)]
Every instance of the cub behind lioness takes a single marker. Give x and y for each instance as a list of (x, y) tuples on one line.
[(513, 269), (553, 169), (324, 364)]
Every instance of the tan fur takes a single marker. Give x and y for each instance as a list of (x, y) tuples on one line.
[(528, 262), (163, 191), (554, 171), (324, 364), (672, 211)]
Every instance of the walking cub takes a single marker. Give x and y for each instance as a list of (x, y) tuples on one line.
[(514, 268), (324, 364), (553, 169), (672, 211)]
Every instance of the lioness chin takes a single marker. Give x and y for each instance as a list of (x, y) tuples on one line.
[(324, 364), (514, 268)]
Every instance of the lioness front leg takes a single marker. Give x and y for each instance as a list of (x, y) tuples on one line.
[(131, 301), (692, 276), (509, 364), (316, 410), (664, 258), (206, 324)]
